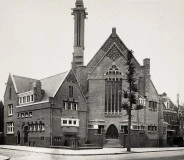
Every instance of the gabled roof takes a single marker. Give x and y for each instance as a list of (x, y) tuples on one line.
[(153, 86), (22, 84), (110, 54), (50, 85), (112, 40), (172, 106)]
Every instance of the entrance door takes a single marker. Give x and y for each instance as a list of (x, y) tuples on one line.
[(112, 132), (25, 134), (18, 137)]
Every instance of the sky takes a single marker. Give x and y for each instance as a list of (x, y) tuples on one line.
[(37, 37)]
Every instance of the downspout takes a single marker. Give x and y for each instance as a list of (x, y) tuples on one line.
[(51, 118)]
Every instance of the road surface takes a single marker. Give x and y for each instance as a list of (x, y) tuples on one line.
[(25, 155)]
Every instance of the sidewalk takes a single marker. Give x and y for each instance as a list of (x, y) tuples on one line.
[(4, 157), (87, 152)]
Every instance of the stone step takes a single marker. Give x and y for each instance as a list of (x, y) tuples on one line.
[(112, 143)]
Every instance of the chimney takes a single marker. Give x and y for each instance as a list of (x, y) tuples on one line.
[(38, 92), (113, 32)]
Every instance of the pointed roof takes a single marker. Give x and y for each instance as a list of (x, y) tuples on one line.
[(112, 39), (113, 42), (50, 85), (22, 84), (79, 3)]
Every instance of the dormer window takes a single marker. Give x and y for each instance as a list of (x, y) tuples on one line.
[(20, 100), (32, 98), (26, 97)]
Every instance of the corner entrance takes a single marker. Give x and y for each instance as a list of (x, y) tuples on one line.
[(112, 132)]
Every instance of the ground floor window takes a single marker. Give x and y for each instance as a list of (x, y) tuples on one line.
[(124, 129), (35, 127), (100, 129), (152, 128), (10, 127)]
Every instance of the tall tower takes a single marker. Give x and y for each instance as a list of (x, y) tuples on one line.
[(79, 17)]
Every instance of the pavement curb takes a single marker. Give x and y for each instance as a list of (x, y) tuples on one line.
[(96, 154)]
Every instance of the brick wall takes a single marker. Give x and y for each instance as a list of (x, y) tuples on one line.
[(59, 112), (10, 139)]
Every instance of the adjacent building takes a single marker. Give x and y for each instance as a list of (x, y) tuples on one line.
[(181, 119), (1, 122), (170, 112)]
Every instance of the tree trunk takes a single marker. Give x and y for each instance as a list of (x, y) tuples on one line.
[(129, 129)]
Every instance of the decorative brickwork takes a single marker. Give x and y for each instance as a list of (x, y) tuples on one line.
[(70, 78), (110, 42), (114, 53)]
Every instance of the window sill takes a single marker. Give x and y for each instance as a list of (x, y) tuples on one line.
[(152, 110), (10, 133), (152, 132), (69, 126), (36, 131), (10, 115), (24, 117)]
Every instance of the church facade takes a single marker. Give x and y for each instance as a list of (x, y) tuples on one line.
[(84, 102)]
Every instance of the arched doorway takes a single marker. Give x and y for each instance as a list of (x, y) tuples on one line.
[(112, 132), (18, 137)]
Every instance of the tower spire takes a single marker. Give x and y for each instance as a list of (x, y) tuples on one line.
[(79, 17), (79, 2)]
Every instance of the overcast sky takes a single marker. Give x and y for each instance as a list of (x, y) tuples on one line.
[(36, 37)]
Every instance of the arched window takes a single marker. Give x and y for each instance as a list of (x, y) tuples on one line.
[(113, 91)]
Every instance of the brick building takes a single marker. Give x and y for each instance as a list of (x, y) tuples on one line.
[(1, 122), (181, 119), (170, 113), (84, 102), (44, 112), (171, 120)]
